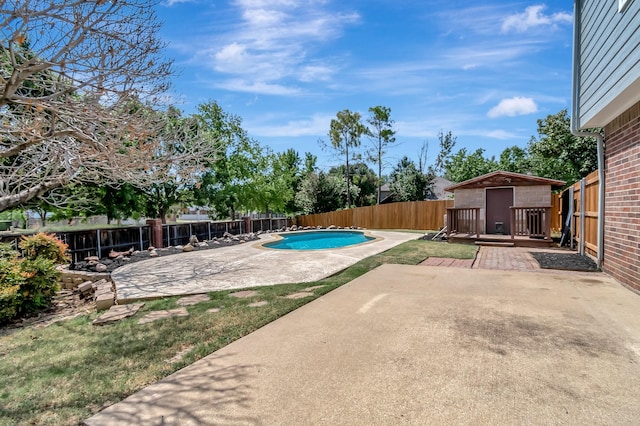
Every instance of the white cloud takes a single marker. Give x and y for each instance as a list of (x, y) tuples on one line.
[(257, 87), (273, 45), (312, 73), (501, 134), (318, 124), (513, 106), (534, 16)]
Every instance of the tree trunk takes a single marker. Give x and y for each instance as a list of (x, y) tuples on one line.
[(379, 173), (347, 177)]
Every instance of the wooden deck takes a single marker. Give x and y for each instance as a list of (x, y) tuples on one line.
[(499, 240)]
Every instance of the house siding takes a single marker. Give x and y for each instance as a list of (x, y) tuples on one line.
[(609, 57), (622, 198)]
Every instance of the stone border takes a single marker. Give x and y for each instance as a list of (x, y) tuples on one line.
[(85, 282)]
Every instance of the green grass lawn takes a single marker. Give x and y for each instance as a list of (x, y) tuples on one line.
[(63, 373)]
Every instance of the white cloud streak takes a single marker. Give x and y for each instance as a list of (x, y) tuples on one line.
[(513, 106), (273, 45), (534, 16)]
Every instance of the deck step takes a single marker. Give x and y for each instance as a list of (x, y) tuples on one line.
[(494, 244)]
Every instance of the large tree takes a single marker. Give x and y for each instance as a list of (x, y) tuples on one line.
[(345, 132), (382, 134), (228, 184), (408, 183), (274, 183), (362, 178), (515, 159), (321, 192), (68, 72), (558, 154), (462, 165)]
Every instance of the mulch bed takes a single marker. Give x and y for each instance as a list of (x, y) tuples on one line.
[(564, 261)]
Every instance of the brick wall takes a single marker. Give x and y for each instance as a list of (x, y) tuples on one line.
[(622, 198)]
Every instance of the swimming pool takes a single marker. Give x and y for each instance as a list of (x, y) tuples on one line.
[(318, 240)]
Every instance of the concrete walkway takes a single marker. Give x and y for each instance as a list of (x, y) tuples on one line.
[(241, 266), (420, 345)]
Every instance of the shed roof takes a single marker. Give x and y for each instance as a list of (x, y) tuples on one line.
[(501, 178)]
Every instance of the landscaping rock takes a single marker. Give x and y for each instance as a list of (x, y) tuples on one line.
[(136, 256), (193, 240), (86, 287), (187, 248), (101, 267), (193, 300), (300, 295), (313, 288), (244, 293), (104, 301), (92, 259), (118, 312), (168, 313)]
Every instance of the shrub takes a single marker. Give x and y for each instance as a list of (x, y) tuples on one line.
[(28, 284), (11, 280), (45, 246)]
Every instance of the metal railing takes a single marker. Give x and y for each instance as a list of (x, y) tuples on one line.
[(99, 242)]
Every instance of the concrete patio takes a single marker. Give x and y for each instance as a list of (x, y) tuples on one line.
[(241, 266), (421, 345)]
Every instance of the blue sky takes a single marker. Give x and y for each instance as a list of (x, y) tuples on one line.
[(485, 71)]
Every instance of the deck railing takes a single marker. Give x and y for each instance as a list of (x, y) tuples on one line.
[(534, 222), (463, 221)]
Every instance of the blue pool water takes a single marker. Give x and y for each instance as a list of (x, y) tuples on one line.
[(318, 240)]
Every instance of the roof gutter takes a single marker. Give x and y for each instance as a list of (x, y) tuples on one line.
[(577, 132)]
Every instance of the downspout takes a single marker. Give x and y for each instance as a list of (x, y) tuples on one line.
[(577, 132)]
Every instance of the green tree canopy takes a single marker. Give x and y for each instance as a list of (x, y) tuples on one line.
[(345, 132), (462, 166), (227, 183), (558, 154), (408, 183), (382, 134), (363, 178), (320, 192)]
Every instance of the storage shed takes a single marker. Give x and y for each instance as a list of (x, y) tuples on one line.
[(502, 203)]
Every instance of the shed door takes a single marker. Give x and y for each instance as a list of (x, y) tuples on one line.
[(499, 201)]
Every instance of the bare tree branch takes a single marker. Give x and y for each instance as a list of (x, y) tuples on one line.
[(71, 74)]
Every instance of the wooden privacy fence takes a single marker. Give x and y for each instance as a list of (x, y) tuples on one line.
[(579, 202), (425, 215)]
